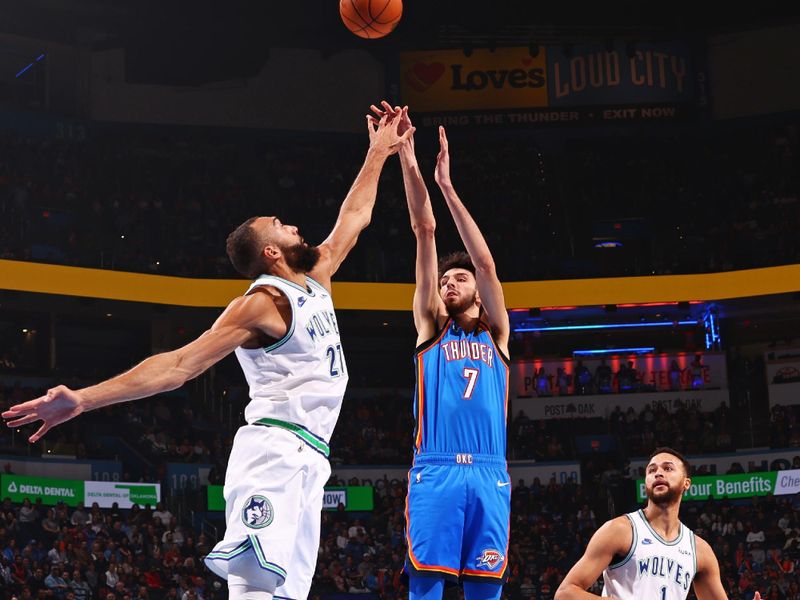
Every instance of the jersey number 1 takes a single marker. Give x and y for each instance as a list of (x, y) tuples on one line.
[(472, 377)]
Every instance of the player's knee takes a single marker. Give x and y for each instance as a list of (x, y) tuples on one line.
[(425, 588), (474, 590), (243, 591), (249, 587)]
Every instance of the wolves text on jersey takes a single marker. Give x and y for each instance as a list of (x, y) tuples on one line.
[(322, 324), (667, 568), (462, 349)]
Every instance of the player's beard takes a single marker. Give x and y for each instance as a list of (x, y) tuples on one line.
[(462, 306), (671, 496), (301, 258)]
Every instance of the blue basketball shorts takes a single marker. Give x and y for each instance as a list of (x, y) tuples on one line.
[(458, 516)]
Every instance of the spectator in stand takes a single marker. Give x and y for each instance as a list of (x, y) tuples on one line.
[(602, 377), (583, 379), (698, 373), (674, 376), (542, 383)]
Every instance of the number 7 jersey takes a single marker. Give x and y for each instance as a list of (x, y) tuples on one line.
[(461, 398)]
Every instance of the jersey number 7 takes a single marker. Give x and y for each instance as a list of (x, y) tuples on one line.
[(472, 377)]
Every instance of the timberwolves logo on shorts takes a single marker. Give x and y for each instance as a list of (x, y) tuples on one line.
[(490, 558), (257, 512)]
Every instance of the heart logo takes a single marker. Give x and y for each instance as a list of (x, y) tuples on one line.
[(421, 76), (527, 62)]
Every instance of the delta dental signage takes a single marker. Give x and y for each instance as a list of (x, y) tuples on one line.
[(105, 493), (743, 485), (72, 493), (51, 491)]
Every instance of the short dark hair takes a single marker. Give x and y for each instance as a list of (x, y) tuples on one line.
[(244, 248), (455, 260), (667, 450)]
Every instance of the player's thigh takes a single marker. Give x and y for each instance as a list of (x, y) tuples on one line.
[(487, 522), (436, 508)]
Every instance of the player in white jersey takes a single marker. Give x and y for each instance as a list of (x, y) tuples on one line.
[(286, 338), (649, 554)]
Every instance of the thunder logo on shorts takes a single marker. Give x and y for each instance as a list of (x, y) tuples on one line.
[(257, 512)]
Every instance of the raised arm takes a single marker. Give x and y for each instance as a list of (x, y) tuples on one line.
[(614, 538), (244, 319), (489, 288), (428, 305), (356, 211)]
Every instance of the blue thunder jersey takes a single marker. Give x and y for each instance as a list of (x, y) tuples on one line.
[(459, 494), (461, 399)]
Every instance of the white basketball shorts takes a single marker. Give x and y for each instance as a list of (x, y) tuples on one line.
[(273, 503)]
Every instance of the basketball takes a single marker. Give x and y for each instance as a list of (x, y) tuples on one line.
[(371, 19)]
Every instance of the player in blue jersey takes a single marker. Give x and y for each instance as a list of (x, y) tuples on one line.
[(458, 508)]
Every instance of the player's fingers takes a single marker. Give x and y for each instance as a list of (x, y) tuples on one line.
[(407, 134), (376, 110), (41, 431), (386, 106), (372, 124), (23, 420), (24, 406)]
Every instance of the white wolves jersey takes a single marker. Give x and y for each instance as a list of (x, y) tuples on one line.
[(654, 568), (298, 382)]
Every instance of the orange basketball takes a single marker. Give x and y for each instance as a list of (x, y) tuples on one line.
[(371, 18)]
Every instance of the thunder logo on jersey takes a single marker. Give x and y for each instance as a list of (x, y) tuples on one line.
[(463, 349)]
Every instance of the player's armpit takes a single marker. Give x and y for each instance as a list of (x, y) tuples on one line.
[(493, 301), (614, 538)]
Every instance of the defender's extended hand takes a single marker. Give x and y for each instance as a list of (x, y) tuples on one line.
[(58, 405), (384, 136), (387, 110)]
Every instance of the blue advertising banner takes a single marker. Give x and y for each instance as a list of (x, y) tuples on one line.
[(620, 74), (186, 476)]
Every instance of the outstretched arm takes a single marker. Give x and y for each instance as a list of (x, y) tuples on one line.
[(356, 211), (428, 306), (489, 287), (243, 320), (614, 538)]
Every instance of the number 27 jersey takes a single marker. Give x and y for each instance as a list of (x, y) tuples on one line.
[(461, 398)]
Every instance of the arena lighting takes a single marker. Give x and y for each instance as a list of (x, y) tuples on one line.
[(641, 350), (609, 244), (603, 326), (24, 70), (710, 321)]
